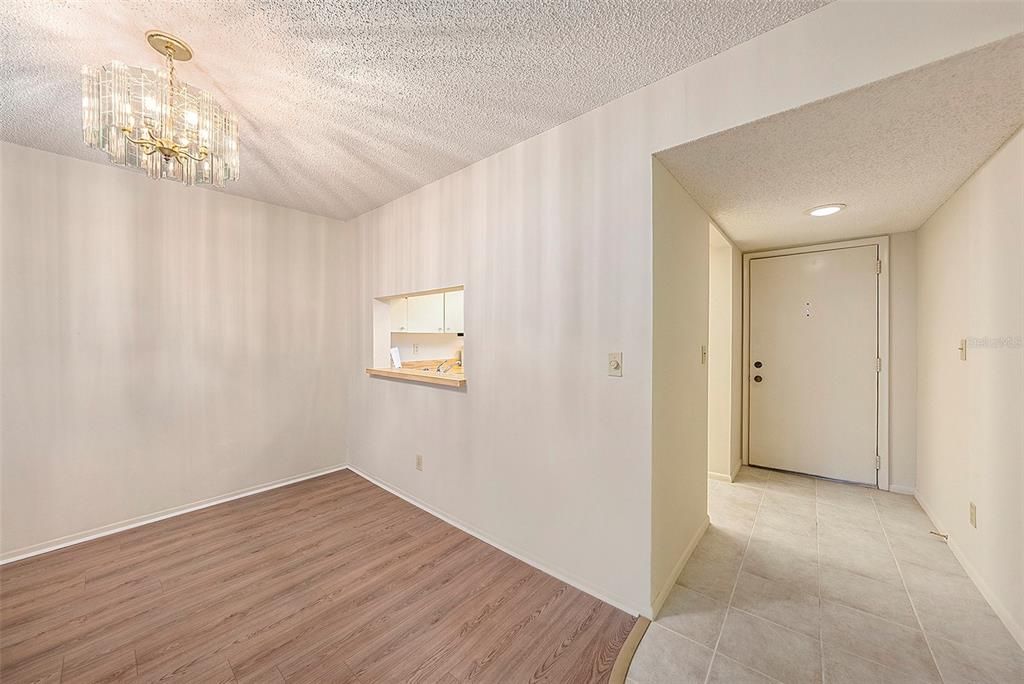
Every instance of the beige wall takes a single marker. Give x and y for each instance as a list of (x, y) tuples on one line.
[(725, 359), (161, 345), (679, 420), (903, 362), (970, 413)]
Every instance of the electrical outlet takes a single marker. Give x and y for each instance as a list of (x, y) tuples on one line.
[(974, 515), (415, 348), (419, 462), (615, 364)]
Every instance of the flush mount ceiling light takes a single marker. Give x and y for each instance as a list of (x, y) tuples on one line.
[(826, 209), (146, 119)]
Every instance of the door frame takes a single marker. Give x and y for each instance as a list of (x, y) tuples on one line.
[(882, 411)]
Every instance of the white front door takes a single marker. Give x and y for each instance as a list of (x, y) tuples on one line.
[(813, 351)]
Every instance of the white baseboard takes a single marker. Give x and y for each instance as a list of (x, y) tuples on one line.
[(719, 476), (902, 489), (662, 596), (114, 528), (1016, 630), (468, 529)]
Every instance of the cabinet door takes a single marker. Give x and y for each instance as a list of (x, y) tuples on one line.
[(453, 315), (399, 314), (426, 313)]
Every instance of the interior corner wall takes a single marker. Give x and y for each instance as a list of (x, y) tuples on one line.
[(903, 362), (970, 413), (161, 346), (736, 457), (725, 355), (679, 454)]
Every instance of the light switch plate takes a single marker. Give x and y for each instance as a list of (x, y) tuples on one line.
[(615, 364)]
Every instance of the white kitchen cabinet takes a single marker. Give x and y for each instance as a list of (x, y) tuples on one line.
[(426, 313), (453, 312), (399, 314)]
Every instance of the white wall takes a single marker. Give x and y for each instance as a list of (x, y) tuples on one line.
[(679, 420), (903, 362), (553, 236), (970, 413), (161, 345), (725, 355)]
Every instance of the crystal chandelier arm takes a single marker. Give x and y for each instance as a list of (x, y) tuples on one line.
[(148, 146)]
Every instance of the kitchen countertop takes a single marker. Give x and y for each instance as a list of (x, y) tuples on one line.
[(423, 371)]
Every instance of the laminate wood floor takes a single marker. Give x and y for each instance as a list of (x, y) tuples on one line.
[(328, 580)]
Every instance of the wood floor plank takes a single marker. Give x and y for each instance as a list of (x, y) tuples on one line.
[(329, 579)]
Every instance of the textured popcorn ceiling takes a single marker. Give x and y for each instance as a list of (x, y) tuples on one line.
[(344, 106), (893, 151)]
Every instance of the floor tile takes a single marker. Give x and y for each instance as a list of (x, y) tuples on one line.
[(924, 581), (778, 652), (891, 500), (797, 566), (923, 549), (664, 657), (795, 479), (907, 520), (693, 615), (751, 477), (858, 538), (766, 531), (722, 542), (872, 638), (725, 670), (966, 621), (789, 488), (789, 504), (841, 667), (779, 602), (963, 665), (786, 523), (884, 599), (848, 517), (739, 497), (876, 564), (846, 496), (711, 575)]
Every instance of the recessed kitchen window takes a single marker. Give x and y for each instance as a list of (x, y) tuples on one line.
[(420, 337)]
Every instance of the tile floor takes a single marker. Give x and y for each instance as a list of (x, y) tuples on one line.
[(804, 580)]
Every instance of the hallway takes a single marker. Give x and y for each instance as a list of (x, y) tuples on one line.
[(806, 580)]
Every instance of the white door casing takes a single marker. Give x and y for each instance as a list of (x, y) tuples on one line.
[(816, 319)]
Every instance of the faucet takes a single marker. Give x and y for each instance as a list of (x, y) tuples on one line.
[(440, 367)]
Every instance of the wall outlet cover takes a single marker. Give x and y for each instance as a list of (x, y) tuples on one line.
[(615, 364)]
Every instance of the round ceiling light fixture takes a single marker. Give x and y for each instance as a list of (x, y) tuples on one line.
[(826, 209)]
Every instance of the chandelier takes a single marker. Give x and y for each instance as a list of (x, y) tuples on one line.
[(147, 119)]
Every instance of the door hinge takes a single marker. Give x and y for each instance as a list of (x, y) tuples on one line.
[(878, 462), (878, 266), (878, 365)]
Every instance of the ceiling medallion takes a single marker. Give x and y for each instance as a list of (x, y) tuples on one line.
[(147, 119)]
